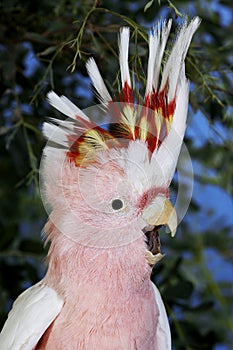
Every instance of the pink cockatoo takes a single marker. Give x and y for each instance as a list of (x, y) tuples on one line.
[(108, 191)]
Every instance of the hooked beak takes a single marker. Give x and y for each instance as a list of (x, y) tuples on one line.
[(159, 213)]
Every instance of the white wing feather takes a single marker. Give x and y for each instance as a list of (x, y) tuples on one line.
[(163, 335), (32, 313)]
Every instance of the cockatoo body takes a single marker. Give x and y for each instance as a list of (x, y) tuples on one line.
[(107, 188)]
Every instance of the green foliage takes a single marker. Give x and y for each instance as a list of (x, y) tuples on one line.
[(44, 46)]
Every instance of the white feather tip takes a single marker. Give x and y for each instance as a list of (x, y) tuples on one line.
[(64, 105), (97, 81), (123, 55)]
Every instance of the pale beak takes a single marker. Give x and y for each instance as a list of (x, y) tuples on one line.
[(161, 212)]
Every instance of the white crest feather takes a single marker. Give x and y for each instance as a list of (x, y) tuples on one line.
[(123, 55), (173, 66), (67, 125), (97, 81), (64, 105), (55, 134), (174, 72), (169, 150), (157, 42), (139, 176)]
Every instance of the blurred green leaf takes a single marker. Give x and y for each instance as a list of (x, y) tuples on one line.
[(148, 5)]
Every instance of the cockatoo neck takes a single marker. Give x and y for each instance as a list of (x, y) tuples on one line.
[(87, 268)]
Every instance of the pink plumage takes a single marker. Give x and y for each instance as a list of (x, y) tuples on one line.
[(108, 194)]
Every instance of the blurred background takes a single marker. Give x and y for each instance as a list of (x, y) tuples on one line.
[(44, 45)]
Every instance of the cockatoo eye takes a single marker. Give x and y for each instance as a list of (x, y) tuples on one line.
[(117, 204)]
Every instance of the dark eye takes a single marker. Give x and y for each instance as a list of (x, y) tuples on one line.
[(117, 204)]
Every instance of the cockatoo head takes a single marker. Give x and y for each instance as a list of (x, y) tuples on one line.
[(107, 184)]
